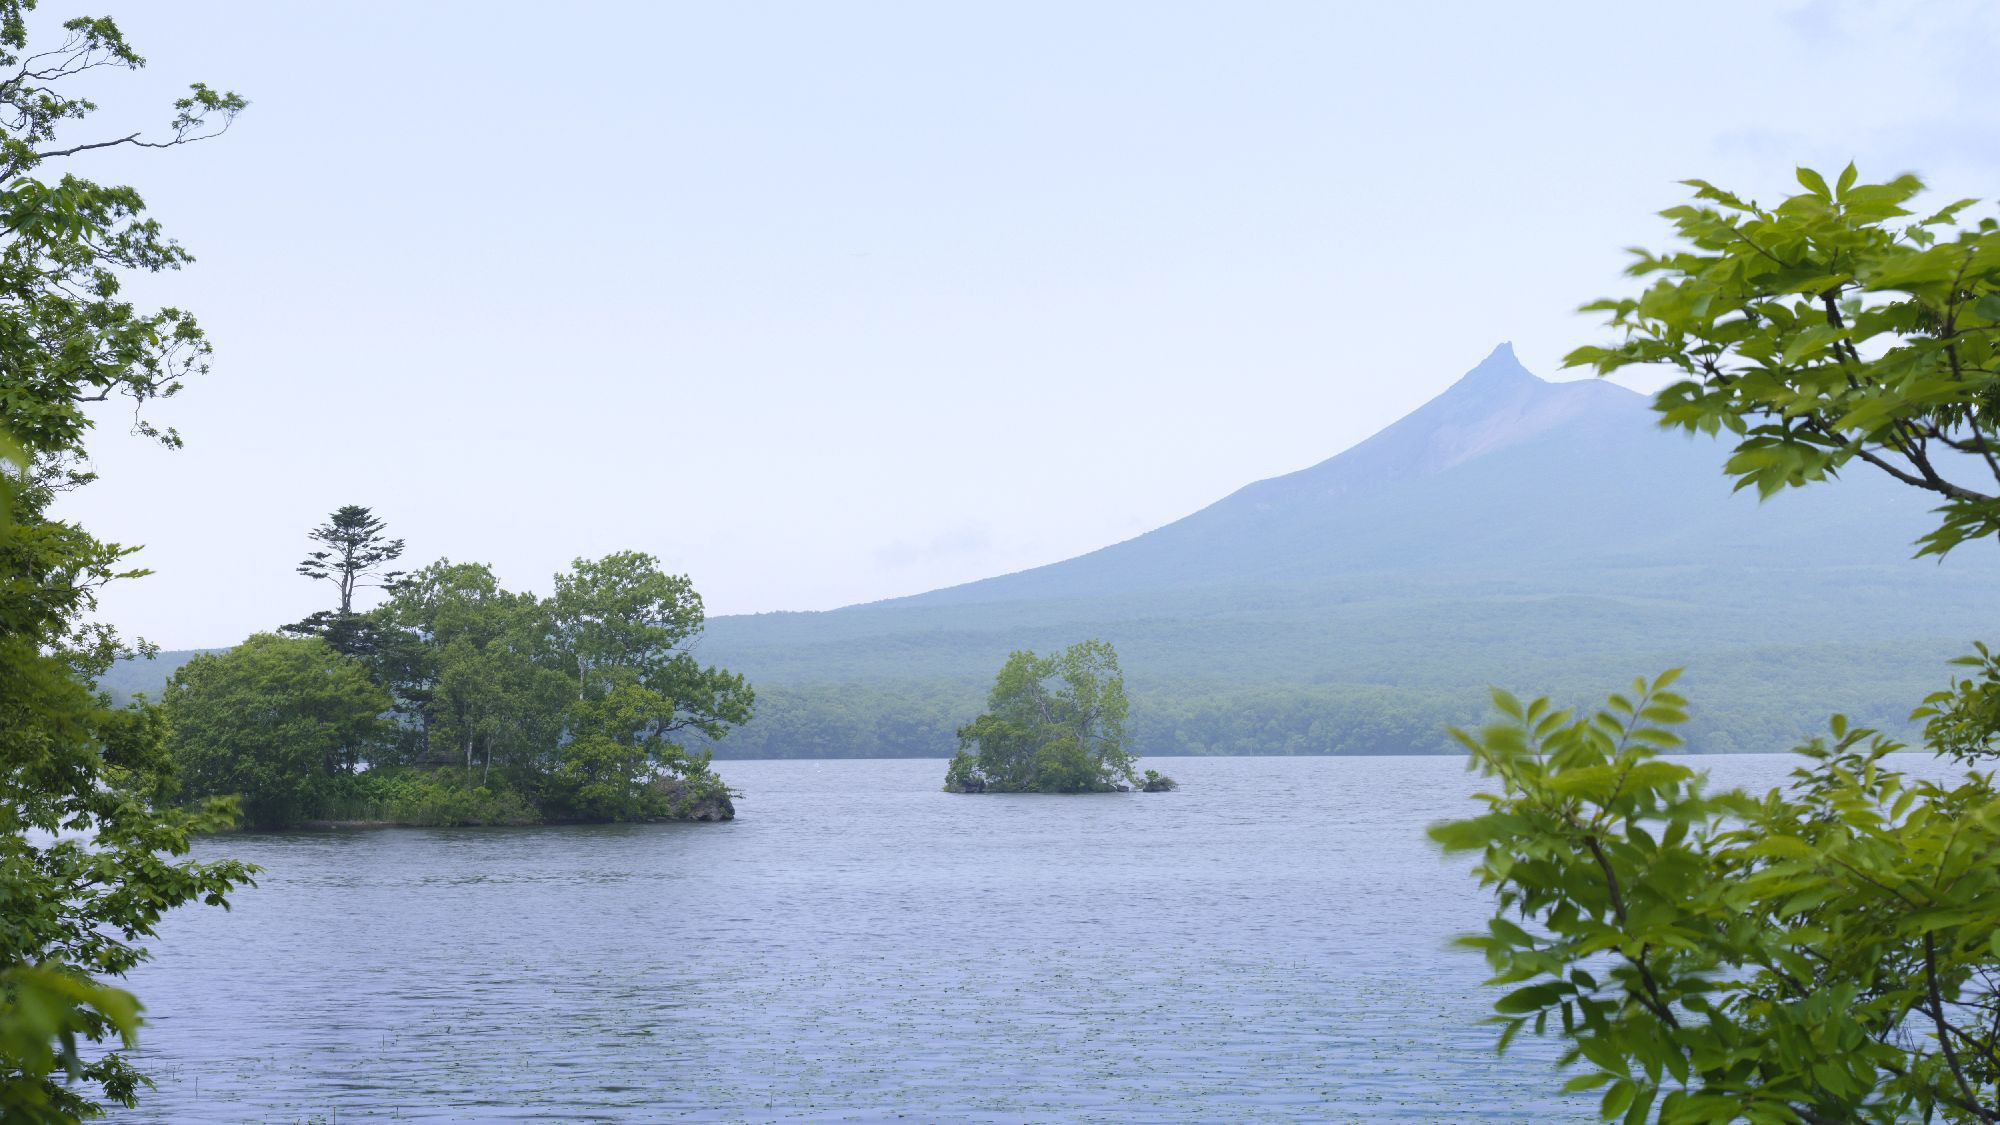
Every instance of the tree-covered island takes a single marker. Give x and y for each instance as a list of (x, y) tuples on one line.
[(1054, 724), (457, 701)]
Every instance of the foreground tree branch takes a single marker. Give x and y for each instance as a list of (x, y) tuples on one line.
[(72, 766), (1794, 955)]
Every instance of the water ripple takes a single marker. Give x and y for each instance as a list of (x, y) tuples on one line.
[(1268, 943)]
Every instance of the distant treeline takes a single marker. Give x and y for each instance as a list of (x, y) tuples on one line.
[(1743, 705), (1376, 664), (1742, 711), (848, 721)]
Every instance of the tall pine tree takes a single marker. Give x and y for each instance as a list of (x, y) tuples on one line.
[(354, 554)]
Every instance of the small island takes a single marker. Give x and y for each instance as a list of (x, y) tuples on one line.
[(1054, 724), (458, 702)]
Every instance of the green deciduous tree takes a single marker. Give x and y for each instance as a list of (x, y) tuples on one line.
[(90, 847), (1053, 724), (1829, 950), (625, 630), (622, 612), (276, 721), (473, 667), (1831, 329)]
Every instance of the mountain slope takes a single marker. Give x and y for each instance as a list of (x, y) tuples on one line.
[(1501, 472), (1545, 535)]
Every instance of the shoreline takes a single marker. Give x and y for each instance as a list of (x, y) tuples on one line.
[(336, 826)]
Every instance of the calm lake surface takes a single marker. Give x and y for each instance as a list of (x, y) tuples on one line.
[(1270, 942)]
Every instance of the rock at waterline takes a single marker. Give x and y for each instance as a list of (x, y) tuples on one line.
[(707, 804)]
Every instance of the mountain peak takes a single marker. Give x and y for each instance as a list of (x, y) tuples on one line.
[(1500, 368), (1530, 437), (1497, 406)]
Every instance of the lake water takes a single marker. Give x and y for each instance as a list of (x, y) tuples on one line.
[(1270, 942)]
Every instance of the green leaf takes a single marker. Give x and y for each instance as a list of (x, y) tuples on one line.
[(1532, 998), (1510, 933), (1618, 1098), (1811, 340), (1589, 1081), (1782, 847)]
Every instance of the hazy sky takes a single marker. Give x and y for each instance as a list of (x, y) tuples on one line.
[(829, 302)]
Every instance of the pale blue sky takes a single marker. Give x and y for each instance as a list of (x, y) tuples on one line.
[(830, 302)]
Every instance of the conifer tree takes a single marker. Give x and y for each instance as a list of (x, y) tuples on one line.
[(355, 554)]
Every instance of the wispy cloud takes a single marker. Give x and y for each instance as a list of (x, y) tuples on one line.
[(903, 554)]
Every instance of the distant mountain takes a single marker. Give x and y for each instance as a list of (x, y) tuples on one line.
[(128, 678), (1503, 474), (1548, 536)]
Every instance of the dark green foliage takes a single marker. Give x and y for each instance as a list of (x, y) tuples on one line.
[(1830, 950), (624, 627), (1054, 724), (275, 721), (91, 845), (962, 775), (503, 707), (624, 630), (424, 797), (473, 669)]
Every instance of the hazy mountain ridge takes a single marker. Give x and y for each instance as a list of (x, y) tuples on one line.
[(1546, 536), (1491, 476)]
